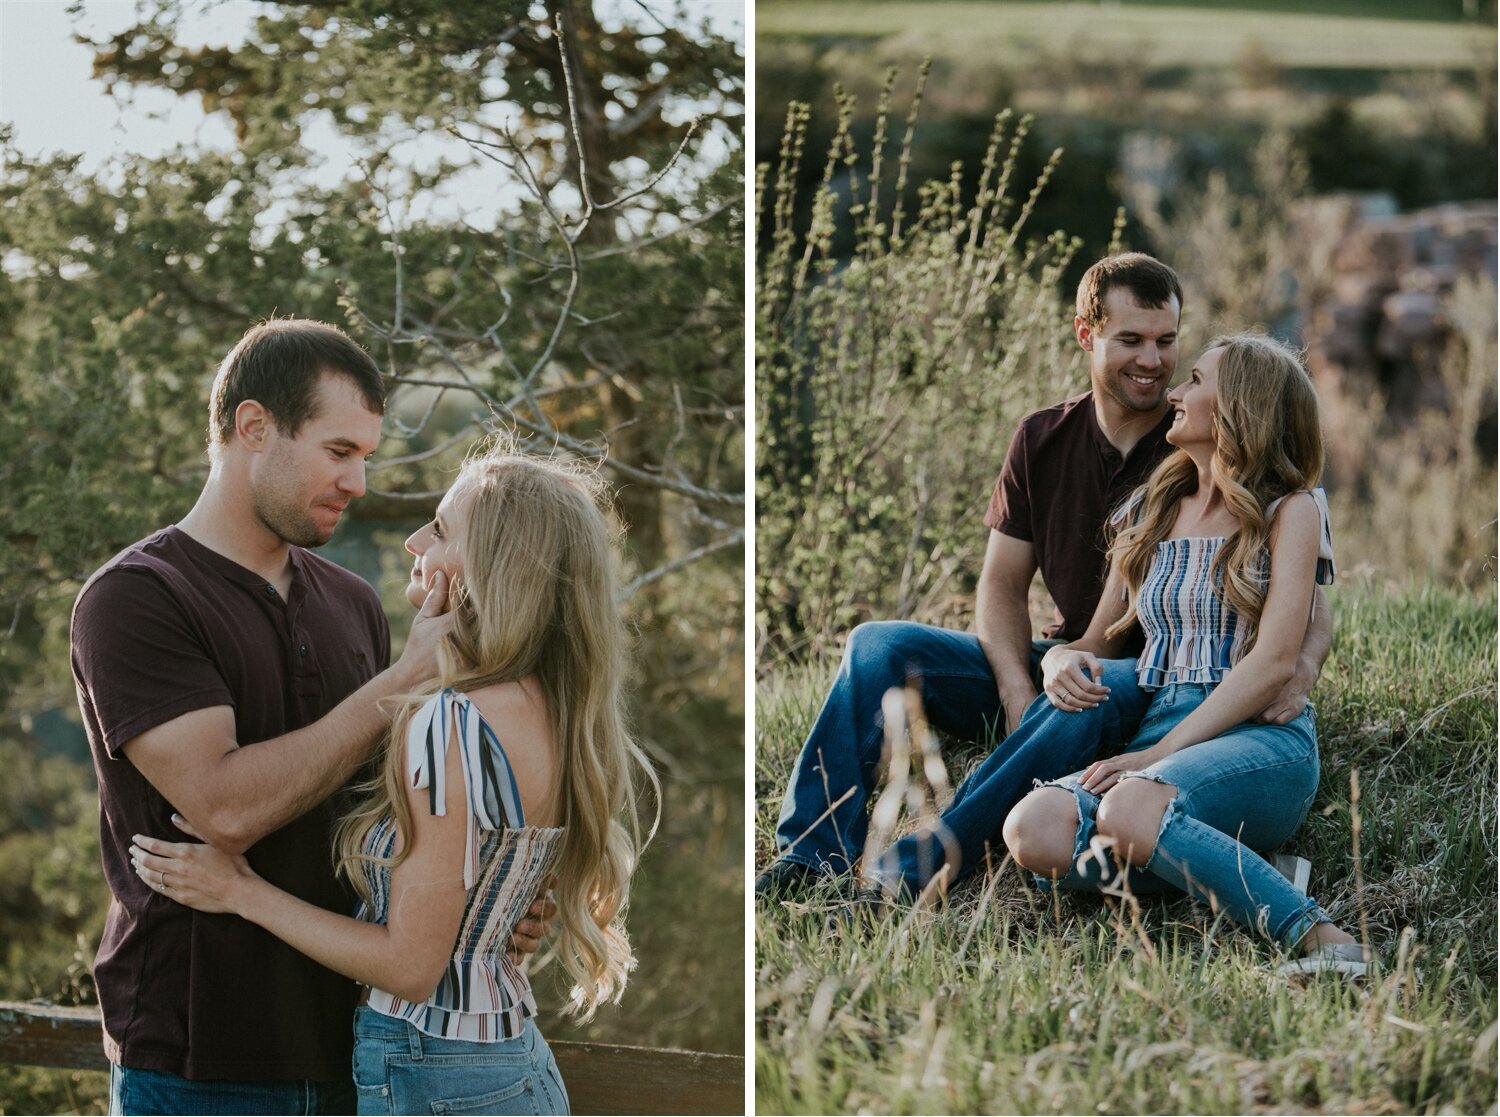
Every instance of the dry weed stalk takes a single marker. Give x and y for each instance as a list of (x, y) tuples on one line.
[(921, 788), (884, 333)]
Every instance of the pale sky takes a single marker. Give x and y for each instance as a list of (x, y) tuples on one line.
[(48, 94)]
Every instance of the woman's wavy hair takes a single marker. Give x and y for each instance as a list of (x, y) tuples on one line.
[(537, 598), (1268, 443)]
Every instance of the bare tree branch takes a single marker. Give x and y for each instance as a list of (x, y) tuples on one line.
[(647, 242), (737, 537), (463, 432), (449, 356), (694, 492)]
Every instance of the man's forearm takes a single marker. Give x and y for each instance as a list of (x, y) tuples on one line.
[(256, 789), (233, 795), (1003, 625)]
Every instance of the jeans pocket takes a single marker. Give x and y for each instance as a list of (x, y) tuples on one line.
[(369, 1068), (372, 1080), (518, 1097), (373, 1101)]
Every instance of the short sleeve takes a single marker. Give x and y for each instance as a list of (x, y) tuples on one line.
[(1326, 569), (1010, 504), (137, 659)]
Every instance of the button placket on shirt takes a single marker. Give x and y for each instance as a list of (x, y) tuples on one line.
[(300, 650)]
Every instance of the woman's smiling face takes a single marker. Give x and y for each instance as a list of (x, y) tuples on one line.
[(1193, 402)]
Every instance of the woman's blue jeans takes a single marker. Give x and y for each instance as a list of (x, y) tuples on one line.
[(1246, 790), (398, 1069), (824, 819)]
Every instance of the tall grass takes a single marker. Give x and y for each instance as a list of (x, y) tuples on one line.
[(1009, 1001), (870, 370)]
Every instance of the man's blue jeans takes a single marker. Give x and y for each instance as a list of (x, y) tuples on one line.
[(824, 818), (153, 1091)]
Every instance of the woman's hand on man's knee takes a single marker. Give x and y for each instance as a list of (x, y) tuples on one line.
[(1073, 680)]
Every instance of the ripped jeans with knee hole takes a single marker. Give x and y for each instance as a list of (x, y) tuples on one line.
[(1246, 790)]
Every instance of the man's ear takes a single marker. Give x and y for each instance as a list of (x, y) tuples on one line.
[(252, 425), (1084, 333)]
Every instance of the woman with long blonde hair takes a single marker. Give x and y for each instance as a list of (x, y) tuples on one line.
[(513, 767), (1216, 557)]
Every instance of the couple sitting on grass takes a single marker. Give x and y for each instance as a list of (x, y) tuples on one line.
[(1182, 527)]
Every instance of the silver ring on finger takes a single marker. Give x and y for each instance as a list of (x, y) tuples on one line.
[(163, 885)]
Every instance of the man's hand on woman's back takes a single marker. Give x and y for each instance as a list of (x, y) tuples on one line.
[(527, 935)]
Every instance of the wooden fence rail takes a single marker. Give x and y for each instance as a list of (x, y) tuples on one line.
[(601, 1078)]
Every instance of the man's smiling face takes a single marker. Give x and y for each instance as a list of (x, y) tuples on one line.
[(1133, 352)]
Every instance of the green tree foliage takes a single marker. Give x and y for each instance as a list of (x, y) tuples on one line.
[(606, 113)]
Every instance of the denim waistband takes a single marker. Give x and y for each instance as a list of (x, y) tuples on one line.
[(373, 1025), (1175, 694)]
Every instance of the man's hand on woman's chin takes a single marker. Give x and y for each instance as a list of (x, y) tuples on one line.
[(429, 627)]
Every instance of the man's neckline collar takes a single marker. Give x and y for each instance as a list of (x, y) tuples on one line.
[(1101, 440), (229, 567)]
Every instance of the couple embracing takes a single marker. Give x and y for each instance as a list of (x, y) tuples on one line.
[(1158, 736), (270, 921)]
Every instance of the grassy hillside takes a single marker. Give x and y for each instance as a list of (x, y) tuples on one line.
[(1010, 1002), (1428, 10), (1147, 36)]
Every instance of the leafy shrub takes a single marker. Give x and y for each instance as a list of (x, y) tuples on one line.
[(888, 384)]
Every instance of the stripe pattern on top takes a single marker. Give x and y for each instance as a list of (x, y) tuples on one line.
[(1192, 636), (482, 994)]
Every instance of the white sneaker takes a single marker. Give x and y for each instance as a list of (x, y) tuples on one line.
[(1346, 959), (1296, 869)]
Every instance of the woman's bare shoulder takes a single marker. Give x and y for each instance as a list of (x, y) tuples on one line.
[(1297, 510), (516, 699), (1296, 527), (518, 713)]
